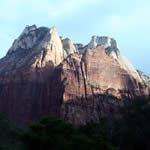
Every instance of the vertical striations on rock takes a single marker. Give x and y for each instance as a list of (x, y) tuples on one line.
[(43, 74), (112, 49), (94, 85)]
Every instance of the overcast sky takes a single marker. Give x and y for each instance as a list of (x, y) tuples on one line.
[(127, 21)]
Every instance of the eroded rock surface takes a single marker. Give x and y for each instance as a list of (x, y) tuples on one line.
[(112, 49), (68, 46), (95, 86), (144, 77), (43, 74), (25, 71)]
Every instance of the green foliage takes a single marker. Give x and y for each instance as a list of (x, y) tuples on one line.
[(129, 132), (132, 131), (49, 133), (99, 133), (9, 134), (55, 134)]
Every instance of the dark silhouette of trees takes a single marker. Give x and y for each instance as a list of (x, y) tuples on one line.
[(53, 133), (131, 131)]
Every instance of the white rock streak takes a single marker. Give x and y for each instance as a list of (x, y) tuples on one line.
[(112, 49), (57, 48)]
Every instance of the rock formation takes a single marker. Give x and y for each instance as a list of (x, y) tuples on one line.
[(36, 40), (91, 77), (43, 74), (112, 49), (145, 78), (68, 46)]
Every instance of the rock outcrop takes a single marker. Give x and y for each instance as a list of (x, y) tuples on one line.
[(68, 46), (95, 86), (43, 74), (35, 40), (145, 78), (24, 73), (112, 49)]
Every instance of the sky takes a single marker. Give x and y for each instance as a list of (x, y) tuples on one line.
[(126, 21)]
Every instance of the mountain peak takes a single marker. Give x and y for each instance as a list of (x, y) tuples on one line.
[(53, 29), (28, 39), (111, 49), (43, 74), (29, 29), (104, 41), (37, 39)]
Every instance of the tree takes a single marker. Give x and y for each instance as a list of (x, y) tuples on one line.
[(132, 131), (53, 133)]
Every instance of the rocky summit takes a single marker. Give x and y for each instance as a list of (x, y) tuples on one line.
[(43, 74)]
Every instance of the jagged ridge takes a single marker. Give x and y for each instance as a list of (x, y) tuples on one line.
[(44, 74)]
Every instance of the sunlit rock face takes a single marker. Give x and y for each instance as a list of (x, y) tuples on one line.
[(28, 39), (145, 78), (94, 85), (25, 72), (43, 74), (102, 40), (112, 49), (44, 39), (68, 46)]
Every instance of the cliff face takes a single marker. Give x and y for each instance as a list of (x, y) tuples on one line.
[(45, 75), (94, 86), (145, 78), (112, 49), (25, 70)]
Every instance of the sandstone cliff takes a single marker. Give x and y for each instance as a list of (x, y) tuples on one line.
[(43, 74), (112, 49), (94, 86), (145, 78)]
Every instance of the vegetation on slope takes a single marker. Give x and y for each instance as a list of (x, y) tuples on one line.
[(9, 134), (130, 132), (55, 134)]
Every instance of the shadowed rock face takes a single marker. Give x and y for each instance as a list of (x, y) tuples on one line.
[(24, 73), (44, 75), (95, 86)]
